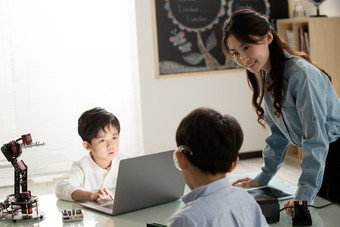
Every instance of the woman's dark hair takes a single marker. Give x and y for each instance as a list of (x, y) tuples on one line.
[(244, 25), (214, 140), (94, 120)]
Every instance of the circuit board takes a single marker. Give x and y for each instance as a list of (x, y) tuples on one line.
[(72, 215)]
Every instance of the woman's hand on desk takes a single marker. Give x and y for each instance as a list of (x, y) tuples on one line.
[(243, 182)]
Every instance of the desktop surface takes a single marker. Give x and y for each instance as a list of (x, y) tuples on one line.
[(52, 207)]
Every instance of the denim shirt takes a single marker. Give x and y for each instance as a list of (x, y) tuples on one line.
[(310, 119), (218, 204)]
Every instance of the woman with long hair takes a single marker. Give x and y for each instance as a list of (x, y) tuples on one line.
[(297, 101)]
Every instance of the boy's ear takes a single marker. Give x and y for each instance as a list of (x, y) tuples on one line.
[(234, 164), (87, 146), (182, 160)]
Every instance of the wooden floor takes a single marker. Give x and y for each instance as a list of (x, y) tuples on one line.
[(290, 172)]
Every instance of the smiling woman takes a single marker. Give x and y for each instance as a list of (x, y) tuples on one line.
[(295, 98), (57, 60)]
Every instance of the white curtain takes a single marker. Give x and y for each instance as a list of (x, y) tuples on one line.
[(57, 60)]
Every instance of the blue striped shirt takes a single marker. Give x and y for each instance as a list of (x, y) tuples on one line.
[(218, 204)]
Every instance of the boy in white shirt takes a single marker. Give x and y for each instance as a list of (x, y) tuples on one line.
[(208, 145), (90, 177)]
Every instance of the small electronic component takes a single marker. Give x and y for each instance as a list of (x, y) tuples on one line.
[(72, 215), (301, 215)]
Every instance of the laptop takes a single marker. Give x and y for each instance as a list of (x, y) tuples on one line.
[(142, 181)]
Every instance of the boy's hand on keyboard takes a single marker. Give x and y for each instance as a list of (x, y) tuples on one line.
[(100, 194)]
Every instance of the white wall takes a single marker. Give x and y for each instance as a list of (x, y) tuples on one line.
[(58, 59), (166, 101)]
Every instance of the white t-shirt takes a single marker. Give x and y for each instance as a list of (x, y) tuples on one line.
[(86, 175)]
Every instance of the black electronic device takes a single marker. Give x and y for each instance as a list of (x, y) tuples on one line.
[(300, 214), (269, 206), (270, 191)]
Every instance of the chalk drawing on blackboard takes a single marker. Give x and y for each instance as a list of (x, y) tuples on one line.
[(262, 6), (188, 33)]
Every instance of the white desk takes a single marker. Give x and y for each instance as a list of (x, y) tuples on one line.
[(325, 217)]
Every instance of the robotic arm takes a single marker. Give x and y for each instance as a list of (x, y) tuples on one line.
[(12, 151)]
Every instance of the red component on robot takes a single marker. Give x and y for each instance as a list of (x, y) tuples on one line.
[(27, 211), (21, 165), (25, 195), (16, 149), (26, 139)]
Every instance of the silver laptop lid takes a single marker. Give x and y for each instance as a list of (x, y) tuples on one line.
[(145, 181)]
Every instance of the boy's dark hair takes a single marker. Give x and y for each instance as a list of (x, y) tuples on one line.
[(94, 120), (214, 140)]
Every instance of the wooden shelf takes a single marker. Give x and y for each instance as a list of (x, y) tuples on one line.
[(324, 45), (294, 153)]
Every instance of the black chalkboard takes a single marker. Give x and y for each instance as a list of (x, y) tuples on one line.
[(188, 32)]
